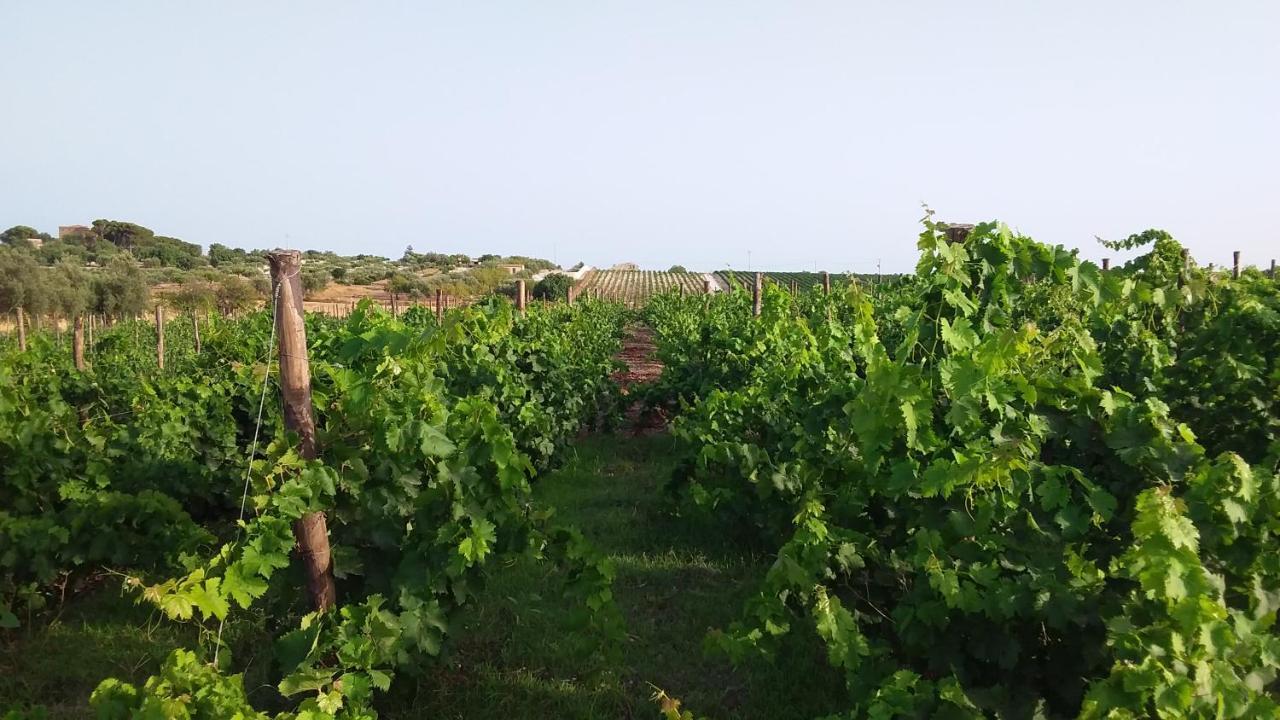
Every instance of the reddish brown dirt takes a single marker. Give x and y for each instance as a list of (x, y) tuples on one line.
[(638, 352)]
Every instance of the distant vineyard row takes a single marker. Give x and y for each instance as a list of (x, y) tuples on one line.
[(634, 287), (800, 280)]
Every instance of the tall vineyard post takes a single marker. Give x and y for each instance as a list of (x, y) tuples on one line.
[(755, 294), (22, 330), (520, 299), (826, 283), (1106, 264), (195, 328), (160, 336), (77, 341), (1235, 265), (311, 531), (1273, 270), (439, 305)]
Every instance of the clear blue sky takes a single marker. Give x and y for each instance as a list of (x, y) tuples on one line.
[(662, 131)]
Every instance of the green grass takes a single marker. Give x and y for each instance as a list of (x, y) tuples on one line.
[(58, 663), (516, 653)]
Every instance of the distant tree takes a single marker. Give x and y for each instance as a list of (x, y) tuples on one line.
[(22, 283), (338, 273), (70, 291), (403, 284), (553, 287), (222, 255), (313, 281), (195, 297), (677, 269), (235, 294), (22, 235), (120, 290), (122, 234), (488, 258), (169, 252), (260, 284), (487, 279)]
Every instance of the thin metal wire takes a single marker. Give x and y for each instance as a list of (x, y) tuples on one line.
[(253, 448)]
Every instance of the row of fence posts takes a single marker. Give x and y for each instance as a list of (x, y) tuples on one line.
[(79, 327), (1186, 261)]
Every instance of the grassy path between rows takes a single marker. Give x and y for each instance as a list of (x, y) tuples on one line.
[(516, 655)]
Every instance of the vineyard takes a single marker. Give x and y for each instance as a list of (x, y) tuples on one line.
[(1010, 485), (634, 287), (795, 280)]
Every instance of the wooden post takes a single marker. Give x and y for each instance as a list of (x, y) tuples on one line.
[(1273, 277), (826, 282), (311, 531), (706, 286), (755, 294), (439, 305), (77, 341), (956, 232), (1106, 264), (22, 329), (1235, 264), (160, 336), (520, 295), (195, 327)]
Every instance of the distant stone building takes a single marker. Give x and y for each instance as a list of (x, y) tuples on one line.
[(512, 268), (625, 266), (64, 231)]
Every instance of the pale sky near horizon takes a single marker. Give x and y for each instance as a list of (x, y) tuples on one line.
[(805, 133)]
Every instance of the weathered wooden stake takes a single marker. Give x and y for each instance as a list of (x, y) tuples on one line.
[(77, 342), (755, 294), (160, 336), (957, 232), (195, 327), (22, 328), (1273, 274), (1235, 264), (439, 304), (520, 295), (311, 531), (826, 282), (1106, 264)]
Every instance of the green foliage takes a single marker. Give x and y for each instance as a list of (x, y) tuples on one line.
[(20, 235), (120, 290), (21, 283), (235, 294), (553, 287), (314, 281), (429, 435), (987, 487)]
